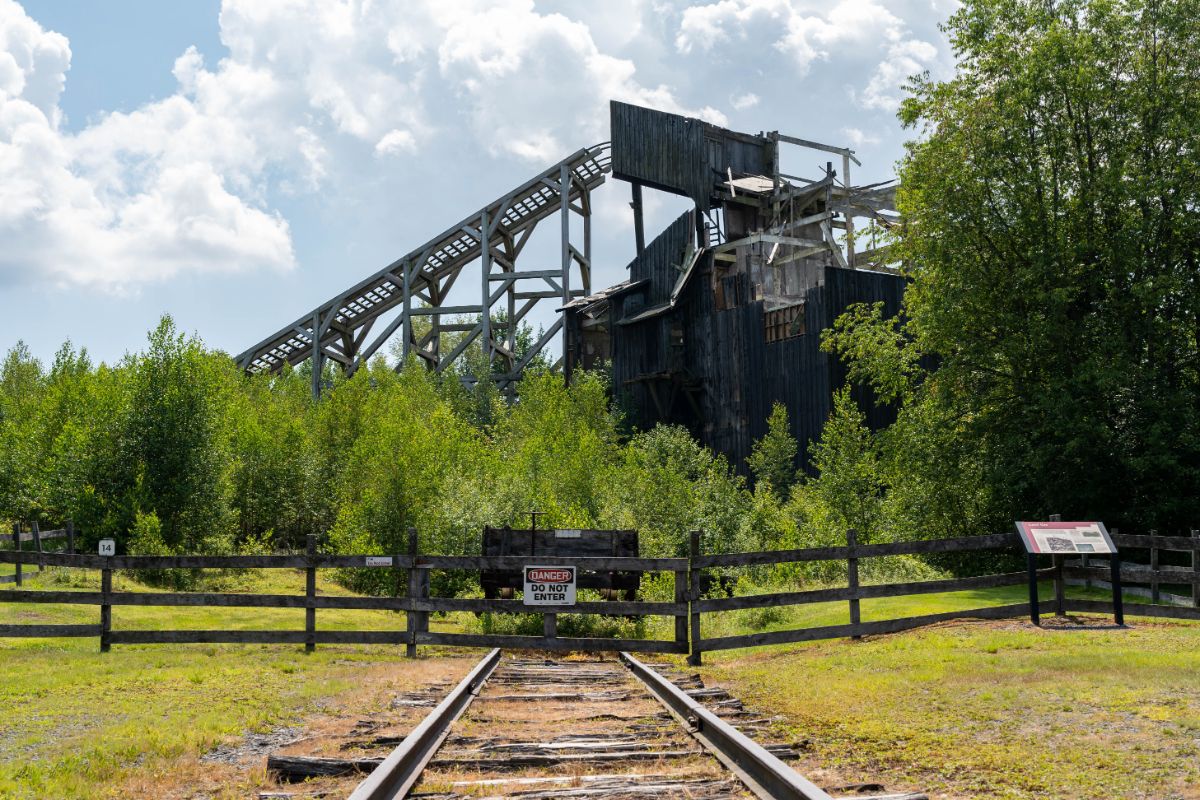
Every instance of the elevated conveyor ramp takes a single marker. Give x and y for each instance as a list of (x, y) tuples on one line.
[(420, 281)]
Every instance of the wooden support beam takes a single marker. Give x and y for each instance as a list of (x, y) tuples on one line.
[(639, 232)]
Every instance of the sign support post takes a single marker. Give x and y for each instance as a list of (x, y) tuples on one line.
[(1118, 602), (1034, 615)]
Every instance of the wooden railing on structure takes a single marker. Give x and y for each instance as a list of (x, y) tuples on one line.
[(687, 606), (38, 537)]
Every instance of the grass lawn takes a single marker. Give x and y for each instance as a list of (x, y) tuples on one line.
[(989, 709), (75, 723)]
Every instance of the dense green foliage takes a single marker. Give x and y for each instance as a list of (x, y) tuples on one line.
[(173, 450), (1049, 355)]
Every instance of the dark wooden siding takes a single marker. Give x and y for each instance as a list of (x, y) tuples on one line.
[(662, 150), (745, 375), (679, 154), (844, 287), (641, 349)]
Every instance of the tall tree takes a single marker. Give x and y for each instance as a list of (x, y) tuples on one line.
[(773, 458), (1052, 231)]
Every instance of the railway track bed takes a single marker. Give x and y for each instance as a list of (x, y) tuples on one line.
[(538, 729)]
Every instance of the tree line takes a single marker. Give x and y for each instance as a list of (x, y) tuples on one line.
[(175, 450)]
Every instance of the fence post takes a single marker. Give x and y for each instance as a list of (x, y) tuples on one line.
[(17, 547), (414, 591), (694, 596), (1060, 586), (681, 619), (106, 605), (852, 577), (310, 596), (1155, 592), (1195, 567), (70, 537), (37, 545), (549, 625)]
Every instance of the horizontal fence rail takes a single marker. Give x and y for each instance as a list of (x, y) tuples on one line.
[(687, 607), (1150, 580)]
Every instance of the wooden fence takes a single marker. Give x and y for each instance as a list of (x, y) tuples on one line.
[(38, 538), (687, 606), (1152, 574)]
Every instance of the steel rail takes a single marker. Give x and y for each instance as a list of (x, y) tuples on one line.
[(763, 773), (398, 773)]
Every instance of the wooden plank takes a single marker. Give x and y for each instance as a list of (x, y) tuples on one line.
[(862, 629), (55, 534), (300, 768), (517, 562), (950, 584), (964, 543), (35, 596), (1135, 609), (361, 637), (414, 593), (206, 599), (37, 545), (310, 596), (541, 643), (852, 562), (208, 637), (48, 631), (681, 615), (772, 600), (105, 610), (604, 607), (17, 553), (320, 561), (694, 657), (1183, 543)]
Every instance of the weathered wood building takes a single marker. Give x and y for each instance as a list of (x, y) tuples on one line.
[(722, 313)]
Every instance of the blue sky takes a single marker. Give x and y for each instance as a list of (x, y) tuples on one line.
[(237, 163)]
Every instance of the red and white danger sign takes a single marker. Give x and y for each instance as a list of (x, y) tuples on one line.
[(549, 586)]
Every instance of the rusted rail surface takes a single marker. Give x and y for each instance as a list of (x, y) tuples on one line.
[(548, 729), (400, 770), (764, 773)]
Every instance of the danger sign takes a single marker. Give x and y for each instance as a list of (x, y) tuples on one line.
[(549, 586)]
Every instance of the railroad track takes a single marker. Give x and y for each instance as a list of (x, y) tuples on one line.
[(543, 729)]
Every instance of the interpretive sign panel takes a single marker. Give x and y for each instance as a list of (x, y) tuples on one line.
[(1065, 538), (549, 586)]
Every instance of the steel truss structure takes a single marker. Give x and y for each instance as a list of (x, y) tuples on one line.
[(419, 284)]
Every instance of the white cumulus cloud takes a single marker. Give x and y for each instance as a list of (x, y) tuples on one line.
[(134, 197), (807, 32), (186, 183)]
